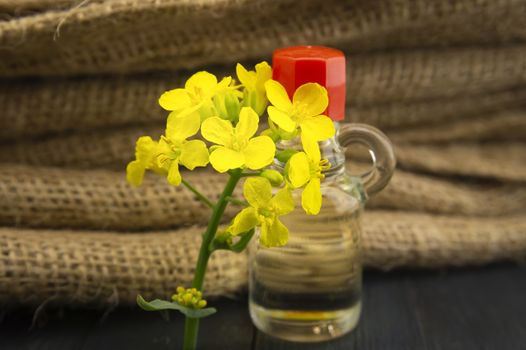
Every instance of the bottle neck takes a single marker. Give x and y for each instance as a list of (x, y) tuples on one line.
[(329, 149)]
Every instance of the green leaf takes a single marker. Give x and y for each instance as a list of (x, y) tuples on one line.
[(157, 305)]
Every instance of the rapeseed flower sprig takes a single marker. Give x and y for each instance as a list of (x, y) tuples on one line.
[(216, 121)]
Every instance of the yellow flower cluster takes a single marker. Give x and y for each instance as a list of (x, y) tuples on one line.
[(190, 297), (217, 121)]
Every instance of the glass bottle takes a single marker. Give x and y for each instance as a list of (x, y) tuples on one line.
[(310, 289)]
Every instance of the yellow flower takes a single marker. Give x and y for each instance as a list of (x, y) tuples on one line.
[(308, 102), (306, 168), (264, 211), (145, 152), (254, 83), (189, 297), (237, 146), (197, 95), (174, 149)]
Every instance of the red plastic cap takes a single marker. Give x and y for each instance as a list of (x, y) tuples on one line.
[(298, 65)]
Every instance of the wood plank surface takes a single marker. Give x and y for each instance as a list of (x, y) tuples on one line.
[(477, 308)]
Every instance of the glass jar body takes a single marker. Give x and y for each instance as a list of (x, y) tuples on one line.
[(310, 289)]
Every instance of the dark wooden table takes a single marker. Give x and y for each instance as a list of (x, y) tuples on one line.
[(481, 308)]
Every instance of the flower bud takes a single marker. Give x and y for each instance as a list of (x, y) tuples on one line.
[(274, 176), (187, 298), (272, 134), (227, 105), (284, 156), (232, 106)]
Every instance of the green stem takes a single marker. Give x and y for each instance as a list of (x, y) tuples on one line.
[(237, 201), (199, 195), (257, 173), (191, 325)]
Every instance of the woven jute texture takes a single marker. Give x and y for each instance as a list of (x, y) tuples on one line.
[(52, 197), (22, 7), (505, 161), (79, 82), (113, 148), (140, 35), (387, 90), (84, 267), (504, 125), (106, 268)]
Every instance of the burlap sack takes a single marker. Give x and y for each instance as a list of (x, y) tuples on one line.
[(84, 267), (101, 199), (385, 90), (114, 148), (401, 114), (504, 125), (143, 35), (434, 74), (26, 7), (505, 161), (104, 268)]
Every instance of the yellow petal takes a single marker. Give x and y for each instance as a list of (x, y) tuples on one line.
[(202, 82), (259, 102), (281, 119), (263, 74), (162, 159), (244, 76), (246, 220), (283, 202), (135, 172), (207, 109), (257, 191), (311, 197), (318, 128), (174, 177), (175, 100), (275, 235), (224, 84), (312, 149), (312, 98), (223, 159), (193, 154), (248, 123), (179, 127), (277, 95), (145, 149), (217, 130), (259, 152), (299, 169)]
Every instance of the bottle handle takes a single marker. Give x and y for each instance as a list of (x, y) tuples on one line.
[(380, 148)]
